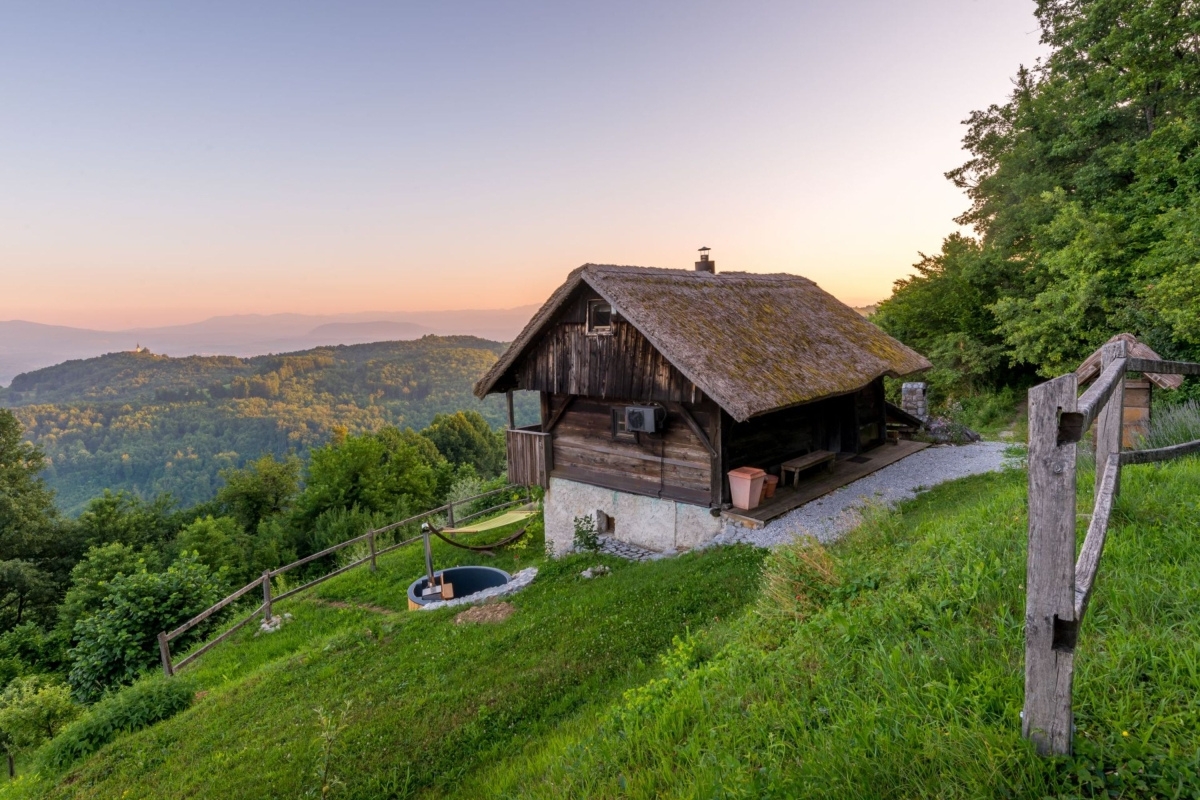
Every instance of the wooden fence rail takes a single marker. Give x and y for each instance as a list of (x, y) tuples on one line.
[(264, 583), (1058, 585)]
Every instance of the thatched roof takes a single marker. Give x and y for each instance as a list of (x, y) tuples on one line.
[(1090, 368), (753, 343)]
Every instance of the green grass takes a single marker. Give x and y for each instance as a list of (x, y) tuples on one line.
[(425, 701), (888, 666), (901, 674)]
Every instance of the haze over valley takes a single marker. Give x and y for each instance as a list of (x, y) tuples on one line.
[(26, 346)]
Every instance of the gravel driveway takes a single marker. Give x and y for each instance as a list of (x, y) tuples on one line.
[(830, 516)]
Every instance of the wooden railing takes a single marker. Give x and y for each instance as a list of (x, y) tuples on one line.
[(165, 638), (530, 457), (1059, 583)]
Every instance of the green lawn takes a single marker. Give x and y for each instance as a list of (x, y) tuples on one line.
[(888, 666), (421, 702), (900, 674)]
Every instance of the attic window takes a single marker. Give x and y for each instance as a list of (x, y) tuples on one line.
[(599, 316)]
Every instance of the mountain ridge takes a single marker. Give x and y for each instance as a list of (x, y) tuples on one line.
[(26, 346)]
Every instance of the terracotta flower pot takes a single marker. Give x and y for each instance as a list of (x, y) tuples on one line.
[(769, 484), (745, 484)]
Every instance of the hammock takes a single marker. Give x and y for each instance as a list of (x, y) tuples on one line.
[(482, 548), (496, 522)]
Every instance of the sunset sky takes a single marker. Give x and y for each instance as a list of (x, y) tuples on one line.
[(164, 162)]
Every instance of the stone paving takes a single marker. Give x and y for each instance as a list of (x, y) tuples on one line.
[(615, 547)]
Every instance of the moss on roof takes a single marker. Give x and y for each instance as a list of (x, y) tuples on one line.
[(752, 342)]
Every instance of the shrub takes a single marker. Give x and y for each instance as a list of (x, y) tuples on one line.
[(131, 709), (34, 709), (1172, 424), (586, 537), (90, 578), (219, 542), (27, 649), (119, 641)]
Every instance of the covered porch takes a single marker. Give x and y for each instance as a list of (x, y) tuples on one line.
[(819, 482)]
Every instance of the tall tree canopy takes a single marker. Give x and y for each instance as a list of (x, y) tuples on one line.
[(1085, 198)]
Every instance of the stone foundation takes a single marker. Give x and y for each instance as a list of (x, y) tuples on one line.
[(649, 522)]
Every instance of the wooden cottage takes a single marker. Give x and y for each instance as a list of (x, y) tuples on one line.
[(719, 371)]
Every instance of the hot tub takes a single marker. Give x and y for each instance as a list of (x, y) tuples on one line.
[(465, 580)]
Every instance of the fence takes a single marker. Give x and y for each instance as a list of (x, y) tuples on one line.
[(1058, 584), (264, 583)]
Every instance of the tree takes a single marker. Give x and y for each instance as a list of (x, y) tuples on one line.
[(125, 518), (119, 641), (32, 710), (90, 580), (220, 543), (466, 438), (32, 554), (262, 489), (1085, 198)]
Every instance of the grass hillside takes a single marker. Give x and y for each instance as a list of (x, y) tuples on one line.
[(152, 424), (423, 701), (888, 666)]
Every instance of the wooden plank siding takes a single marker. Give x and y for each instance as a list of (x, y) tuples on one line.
[(622, 365), (529, 456), (674, 464)]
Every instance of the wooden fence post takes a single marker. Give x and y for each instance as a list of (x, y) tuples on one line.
[(371, 544), (1111, 419), (266, 583), (450, 515), (1050, 624), (164, 650)]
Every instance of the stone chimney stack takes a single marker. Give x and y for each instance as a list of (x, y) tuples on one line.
[(912, 399), (704, 265)]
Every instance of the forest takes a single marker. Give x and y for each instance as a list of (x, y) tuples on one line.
[(152, 425), (1084, 200), (81, 599)]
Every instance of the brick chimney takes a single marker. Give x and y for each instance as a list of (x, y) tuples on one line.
[(704, 265)]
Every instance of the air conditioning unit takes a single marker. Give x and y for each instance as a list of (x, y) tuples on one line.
[(644, 419)]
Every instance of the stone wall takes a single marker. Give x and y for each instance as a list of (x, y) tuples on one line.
[(648, 522)]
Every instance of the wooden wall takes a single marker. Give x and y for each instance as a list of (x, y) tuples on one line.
[(622, 365), (674, 465)]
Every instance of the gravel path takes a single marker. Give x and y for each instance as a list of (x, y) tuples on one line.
[(830, 516)]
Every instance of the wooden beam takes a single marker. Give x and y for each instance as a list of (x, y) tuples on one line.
[(557, 415), (715, 490), (695, 427), (1093, 545), (1050, 571), (1075, 423), (1160, 453), (512, 422), (1111, 417), (1157, 367)]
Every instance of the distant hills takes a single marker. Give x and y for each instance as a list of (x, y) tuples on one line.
[(149, 423), (26, 346)]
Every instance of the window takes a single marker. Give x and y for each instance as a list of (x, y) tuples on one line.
[(618, 426), (599, 316)]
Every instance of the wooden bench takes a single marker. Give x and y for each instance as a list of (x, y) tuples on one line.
[(798, 465)]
